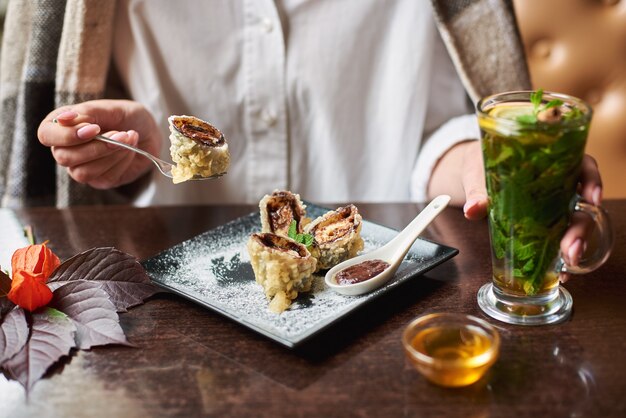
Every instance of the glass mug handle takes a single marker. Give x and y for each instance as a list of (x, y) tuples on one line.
[(604, 242)]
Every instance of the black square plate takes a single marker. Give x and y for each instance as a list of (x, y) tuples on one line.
[(213, 269)]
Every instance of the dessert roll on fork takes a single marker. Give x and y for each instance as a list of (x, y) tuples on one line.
[(197, 148)]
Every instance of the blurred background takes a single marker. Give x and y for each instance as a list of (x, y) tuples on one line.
[(3, 10), (578, 47)]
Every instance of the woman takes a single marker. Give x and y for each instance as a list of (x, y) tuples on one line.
[(338, 101)]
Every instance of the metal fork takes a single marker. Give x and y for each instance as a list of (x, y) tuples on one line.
[(164, 167)]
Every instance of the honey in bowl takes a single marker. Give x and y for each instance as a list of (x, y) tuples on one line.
[(451, 350)]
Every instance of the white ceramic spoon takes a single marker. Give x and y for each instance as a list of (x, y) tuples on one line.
[(393, 252)]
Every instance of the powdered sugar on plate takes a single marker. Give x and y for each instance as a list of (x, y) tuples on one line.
[(213, 269)]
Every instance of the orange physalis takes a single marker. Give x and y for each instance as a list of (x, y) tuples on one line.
[(32, 266), (36, 259)]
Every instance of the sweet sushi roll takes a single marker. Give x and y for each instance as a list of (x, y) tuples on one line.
[(282, 266), (336, 236), (197, 148), (279, 209)]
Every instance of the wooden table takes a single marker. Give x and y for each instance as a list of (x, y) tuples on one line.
[(190, 361)]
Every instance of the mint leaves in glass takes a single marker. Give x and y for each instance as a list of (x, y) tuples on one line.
[(533, 144)]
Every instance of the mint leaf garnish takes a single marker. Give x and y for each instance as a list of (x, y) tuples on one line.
[(535, 98), (528, 119), (552, 103), (293, 230), (305, 239)]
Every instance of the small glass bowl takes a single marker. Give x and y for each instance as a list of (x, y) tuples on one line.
[(450, 349)]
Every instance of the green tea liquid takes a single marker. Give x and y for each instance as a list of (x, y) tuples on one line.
[(531, 174)]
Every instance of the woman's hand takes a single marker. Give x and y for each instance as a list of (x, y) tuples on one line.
[(465, 160), (573, 243), (69, 132)]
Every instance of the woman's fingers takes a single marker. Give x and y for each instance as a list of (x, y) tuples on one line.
[(574, 242), (99, 164), (90, 151), (53, 130), (70, 130), (76, 124), (103, 173), (66, 118), (591, 182), (130, 138), (114, 174), (474, 183), (53, 134)]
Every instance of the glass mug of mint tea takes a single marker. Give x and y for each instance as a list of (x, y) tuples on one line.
[(533, 144)]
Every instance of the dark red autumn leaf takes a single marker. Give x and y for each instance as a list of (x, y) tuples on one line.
[(120, 275), (37, 259), (5, 306), (94, 315), (29, 290), (5, 284), (52, 337), (13, 334)]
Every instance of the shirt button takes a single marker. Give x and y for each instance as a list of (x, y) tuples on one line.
[(267, 25), (269, 117)]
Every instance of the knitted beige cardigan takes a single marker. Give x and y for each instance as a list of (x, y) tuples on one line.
[(57, 52)]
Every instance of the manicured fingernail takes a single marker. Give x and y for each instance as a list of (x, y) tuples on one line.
[(88, 131), (67, 115), (574, 252), (470, 204), (120, 136), (133, 137), (597, 196)]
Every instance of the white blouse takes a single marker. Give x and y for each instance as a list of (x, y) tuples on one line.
[(331, 99)]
